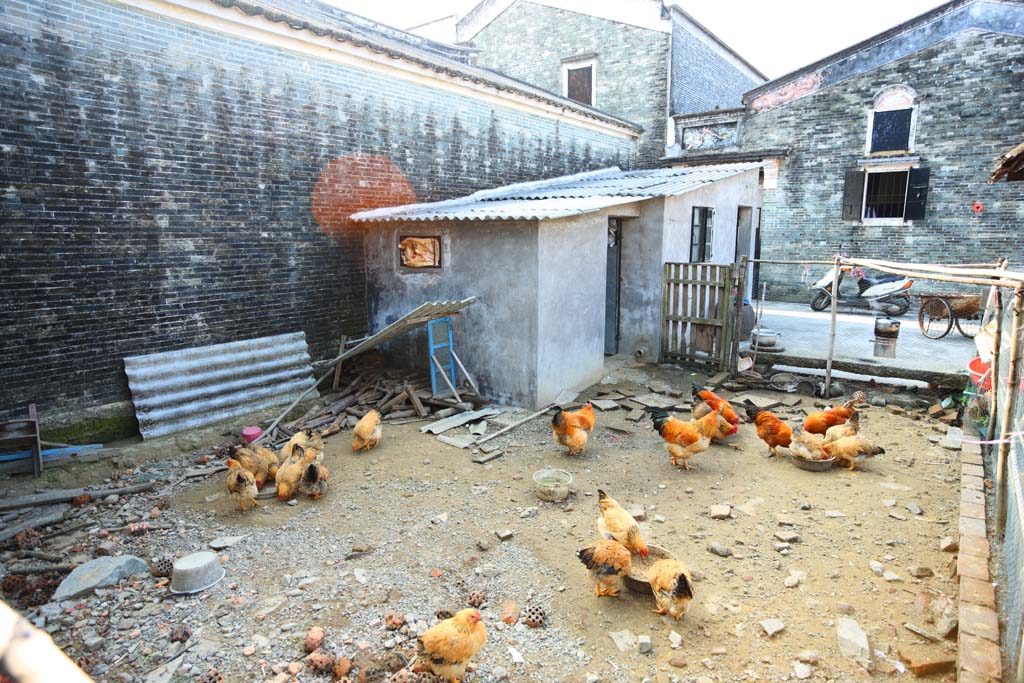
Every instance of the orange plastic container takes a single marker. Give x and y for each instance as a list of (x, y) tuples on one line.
[(978, 368)]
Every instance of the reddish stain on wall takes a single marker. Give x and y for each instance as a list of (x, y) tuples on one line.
[(355, 183)]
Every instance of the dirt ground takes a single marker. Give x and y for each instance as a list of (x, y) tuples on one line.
[(427, 516)]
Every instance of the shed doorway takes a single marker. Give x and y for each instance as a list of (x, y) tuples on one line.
[(613, 283), (744, 238)]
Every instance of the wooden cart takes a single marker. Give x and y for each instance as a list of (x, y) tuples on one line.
[(940, 312)]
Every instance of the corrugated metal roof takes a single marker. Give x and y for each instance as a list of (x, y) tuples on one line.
[(563, 196)]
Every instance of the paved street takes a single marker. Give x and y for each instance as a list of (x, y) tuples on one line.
[(806, 333)]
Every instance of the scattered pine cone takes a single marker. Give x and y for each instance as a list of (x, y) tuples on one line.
[(161, 567), (393, 661), (443, 614), (373, 674), (477, 598), (181, 633), (534, 616), (394, 621), (13, 585), (320, 661), (27, 539), (85, 663), (212, 676)]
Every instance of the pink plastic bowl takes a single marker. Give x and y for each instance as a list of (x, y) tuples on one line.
[(250, 434)]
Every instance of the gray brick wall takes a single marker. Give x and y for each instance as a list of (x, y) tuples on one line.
[(701, 79), (157, 182), (970, 88), (529, 42)]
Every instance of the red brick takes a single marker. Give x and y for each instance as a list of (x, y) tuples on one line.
[(977, 592), (980, 656), (974, 483), (979, 621), (972, 510), (974, 545), (972, 566), (926, 660), (972, 527)]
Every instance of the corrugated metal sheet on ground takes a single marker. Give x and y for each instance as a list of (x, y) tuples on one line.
[(563, 196), (179, 390)]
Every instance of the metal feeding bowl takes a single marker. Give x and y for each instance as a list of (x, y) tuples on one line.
[(196, 572), (552, 485), (813, 465), (636, 580)]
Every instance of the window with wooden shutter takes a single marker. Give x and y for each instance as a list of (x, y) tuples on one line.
[(917, 193), (701, 234), (580, 84), (853, 195)]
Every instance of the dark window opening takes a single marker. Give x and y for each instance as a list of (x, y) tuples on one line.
[(420, 252), (700, 234), (580, 84), (886, 195), (891, 130)]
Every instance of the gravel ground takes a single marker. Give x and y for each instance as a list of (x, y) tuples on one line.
[(410, 528)]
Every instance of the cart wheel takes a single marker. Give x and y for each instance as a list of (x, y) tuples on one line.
[(935, 318), (969, 327)]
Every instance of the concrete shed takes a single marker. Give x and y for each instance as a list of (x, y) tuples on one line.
[(566, 270)]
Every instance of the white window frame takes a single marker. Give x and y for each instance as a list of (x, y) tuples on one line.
[(579, 64), (886, 168), (912, 139)]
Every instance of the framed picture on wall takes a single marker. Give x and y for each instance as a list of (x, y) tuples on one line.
[(417, 251)]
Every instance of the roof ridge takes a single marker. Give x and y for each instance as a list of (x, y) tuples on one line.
[(546, 183)]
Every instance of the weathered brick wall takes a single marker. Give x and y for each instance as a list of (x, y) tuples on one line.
[(529, 42), (701, 79), (970, 88), (158, 180)]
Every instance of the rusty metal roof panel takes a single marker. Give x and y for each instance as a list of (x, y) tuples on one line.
[(178, 390), (564, 196)]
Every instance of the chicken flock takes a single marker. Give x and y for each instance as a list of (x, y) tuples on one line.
[(447, 648)]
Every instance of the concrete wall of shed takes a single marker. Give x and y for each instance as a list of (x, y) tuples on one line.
[(640, 291), (725, 197), (496, 261), (571, 301)]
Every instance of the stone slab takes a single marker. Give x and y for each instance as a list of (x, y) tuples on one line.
[(972, 510), (980, 656), (972, 566), (977, 592), (979, 621), (972, 527), (974, 545)]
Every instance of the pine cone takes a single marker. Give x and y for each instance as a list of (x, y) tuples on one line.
[(392, 661), (13, 585), (163, 566), (534, 616), (27, 539), (477, 598), (443, 614), (181, 633), (394, 621), (212, 676)]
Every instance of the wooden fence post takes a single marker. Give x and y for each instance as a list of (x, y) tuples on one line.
[(1009, 408), (997, 341), (832, 336)]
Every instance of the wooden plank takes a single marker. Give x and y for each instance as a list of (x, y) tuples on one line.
[(66, 495), (458, 420), (465, 372), (512, 426), (37, 448), (697, 320), (414, 399), (43, 517), (444, 376), (713, 282), (946, 379), (337, 367)]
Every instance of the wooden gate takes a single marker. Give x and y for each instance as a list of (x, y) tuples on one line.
[(700, 309)]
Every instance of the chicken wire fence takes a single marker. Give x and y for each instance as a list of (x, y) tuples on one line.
[(795, 323), (1010, 570)]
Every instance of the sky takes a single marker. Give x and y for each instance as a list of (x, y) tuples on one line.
[(776, 36)]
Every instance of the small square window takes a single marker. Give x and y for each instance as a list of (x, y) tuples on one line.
[(417, 251)]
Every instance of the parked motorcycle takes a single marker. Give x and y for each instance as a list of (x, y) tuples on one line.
[(881, 293)]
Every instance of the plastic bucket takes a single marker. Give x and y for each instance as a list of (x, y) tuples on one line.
[(978, 368)]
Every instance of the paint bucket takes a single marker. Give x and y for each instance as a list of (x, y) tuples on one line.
[(250, 434)]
